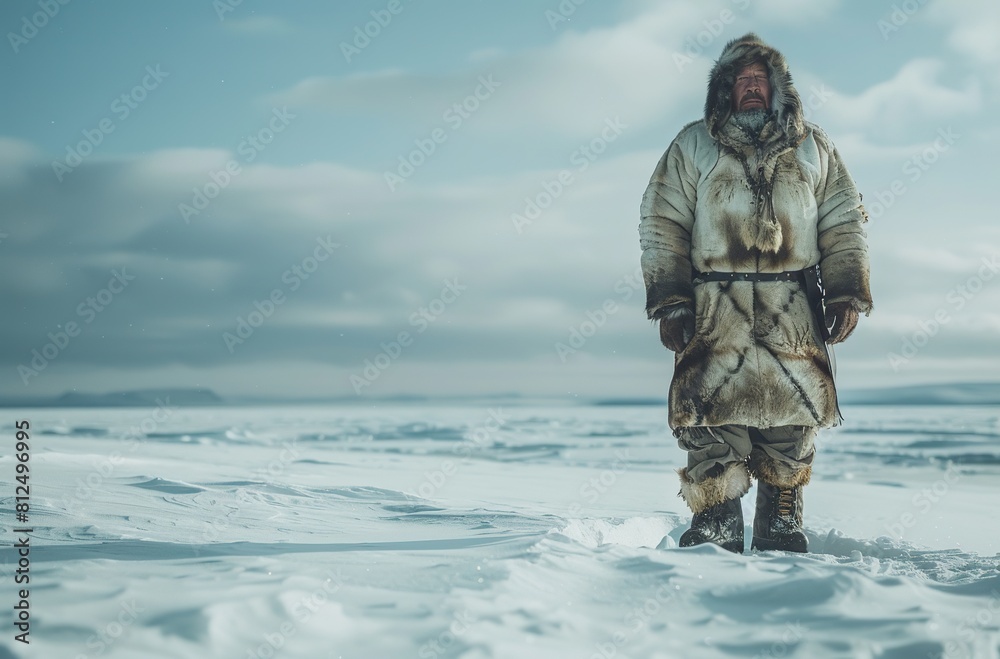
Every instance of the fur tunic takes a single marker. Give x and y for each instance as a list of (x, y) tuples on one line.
[(720, 200)]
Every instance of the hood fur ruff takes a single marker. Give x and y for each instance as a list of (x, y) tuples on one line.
[(785, 102)]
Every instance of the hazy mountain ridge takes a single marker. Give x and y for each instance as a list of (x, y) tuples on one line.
[(951, 393)]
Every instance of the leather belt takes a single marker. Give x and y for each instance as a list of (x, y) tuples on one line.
[(793, 275)]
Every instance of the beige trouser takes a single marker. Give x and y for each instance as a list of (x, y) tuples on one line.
[(781, 456)]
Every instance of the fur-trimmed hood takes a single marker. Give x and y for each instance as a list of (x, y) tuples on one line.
[(786, 106)]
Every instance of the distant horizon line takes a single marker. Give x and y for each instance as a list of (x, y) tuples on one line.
[(941, 393)]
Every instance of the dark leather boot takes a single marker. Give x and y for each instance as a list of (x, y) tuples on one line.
[(721, 524), (777, 524)]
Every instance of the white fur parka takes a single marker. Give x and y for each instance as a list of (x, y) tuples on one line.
[(720, 200)]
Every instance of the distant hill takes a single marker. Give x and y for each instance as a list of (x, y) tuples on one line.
[(952, 393), (619, 402), (955, 393), (134, 398)]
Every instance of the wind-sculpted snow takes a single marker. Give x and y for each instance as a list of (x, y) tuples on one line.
[(484, 532)]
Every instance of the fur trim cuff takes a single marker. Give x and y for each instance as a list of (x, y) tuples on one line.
[(676, 311), (861, 306), (733, 483), (766, 469)]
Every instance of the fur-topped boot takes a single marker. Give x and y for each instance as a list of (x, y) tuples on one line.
[(777, 523), (715, 502)]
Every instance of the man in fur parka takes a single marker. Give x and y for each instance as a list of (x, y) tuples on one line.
[(740, 210)]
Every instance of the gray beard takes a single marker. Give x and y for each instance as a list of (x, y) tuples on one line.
[(752, 121)]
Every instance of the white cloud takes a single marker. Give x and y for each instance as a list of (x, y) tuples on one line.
[(322, 316), (525, 291), (529, 289), (894, 108), (14, 155), (566, 88), (169, 165), (392, 92), (314, 194), (857, 148), (973, 29), (974, 25)]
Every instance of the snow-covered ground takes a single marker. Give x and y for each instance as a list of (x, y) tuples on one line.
[(409, 531)]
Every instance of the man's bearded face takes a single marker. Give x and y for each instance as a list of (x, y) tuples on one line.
[(752, 89)]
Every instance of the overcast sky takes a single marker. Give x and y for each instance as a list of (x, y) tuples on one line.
[(168, 169)]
